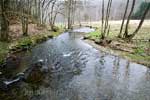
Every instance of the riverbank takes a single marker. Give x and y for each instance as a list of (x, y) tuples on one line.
[(137, 50), (126, 55), (23, 43)]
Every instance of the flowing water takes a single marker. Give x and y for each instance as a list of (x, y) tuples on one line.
[(77, 71)]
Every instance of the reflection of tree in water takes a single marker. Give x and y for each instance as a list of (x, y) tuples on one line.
[(102, 60), (125, 82), (148, 74), (127, 71), (116, 64)]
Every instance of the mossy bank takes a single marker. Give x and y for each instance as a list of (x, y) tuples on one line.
[(25, 43)]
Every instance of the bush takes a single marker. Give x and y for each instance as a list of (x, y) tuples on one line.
[(24, 43)]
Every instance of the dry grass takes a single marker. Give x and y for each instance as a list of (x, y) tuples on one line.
[(138, 51), (144, 32), (33, 29)]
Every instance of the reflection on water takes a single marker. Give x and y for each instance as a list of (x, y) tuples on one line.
[(84, 30), (80, 72)]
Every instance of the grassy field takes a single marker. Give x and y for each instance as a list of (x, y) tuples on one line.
[(144, 32)]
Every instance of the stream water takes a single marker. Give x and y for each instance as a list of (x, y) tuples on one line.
[(80, 72)]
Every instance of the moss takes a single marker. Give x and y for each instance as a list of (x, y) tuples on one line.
[(3, 51), (54, 34), (22, 44), (39, 39)]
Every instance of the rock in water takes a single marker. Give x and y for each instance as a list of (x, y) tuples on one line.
[(36, 73), (12, 62), (3, 86), (7, 84)]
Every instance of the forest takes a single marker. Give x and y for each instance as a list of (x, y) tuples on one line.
[(74, 49)]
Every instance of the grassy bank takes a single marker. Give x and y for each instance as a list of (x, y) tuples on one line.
[(137, 50), (25, 43)]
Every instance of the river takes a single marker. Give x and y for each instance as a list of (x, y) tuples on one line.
[(80, 72)]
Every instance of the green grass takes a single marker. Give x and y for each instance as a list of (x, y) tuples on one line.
[(3, 50), (140, 54), (97, 33), (139, 59), (94, 35)]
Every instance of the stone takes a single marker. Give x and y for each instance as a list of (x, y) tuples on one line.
[(39, 63), (44, 69), (7, 84), (3, 86), (36, 72), (12, 62)]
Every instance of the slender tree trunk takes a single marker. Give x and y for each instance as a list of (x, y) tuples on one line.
[(126, 9), (25, 19), (25, 26), (128, 19), (102, 31), (69, 13), (106, 19), (39, 12), (52, 15)]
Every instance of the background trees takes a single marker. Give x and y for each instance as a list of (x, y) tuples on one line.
[(25, 12), (4, 20), (139, 12), (144, 12), (42, 12), (105, 19)]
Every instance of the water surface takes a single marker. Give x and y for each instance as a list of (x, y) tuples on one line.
[(80, 72)]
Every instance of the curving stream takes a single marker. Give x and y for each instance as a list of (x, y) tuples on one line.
[(77, 71)]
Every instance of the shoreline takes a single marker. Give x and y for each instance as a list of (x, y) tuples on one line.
[(26, 43), (115, 52)]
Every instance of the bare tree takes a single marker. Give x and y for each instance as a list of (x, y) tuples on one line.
[(25, 19), (123, 20), (105, 24), (128, 19), (141, 22), (102, 19), (69, 13)]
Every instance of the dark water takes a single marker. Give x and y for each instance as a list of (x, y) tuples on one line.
[(80, 72)]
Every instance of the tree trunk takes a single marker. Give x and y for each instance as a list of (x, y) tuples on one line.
[(128, 19), (102, 31), (106, 19), (25, 20), (69, 13), (52, 16), (126, 9), (4, 35), (25, 26), (141, 22)]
